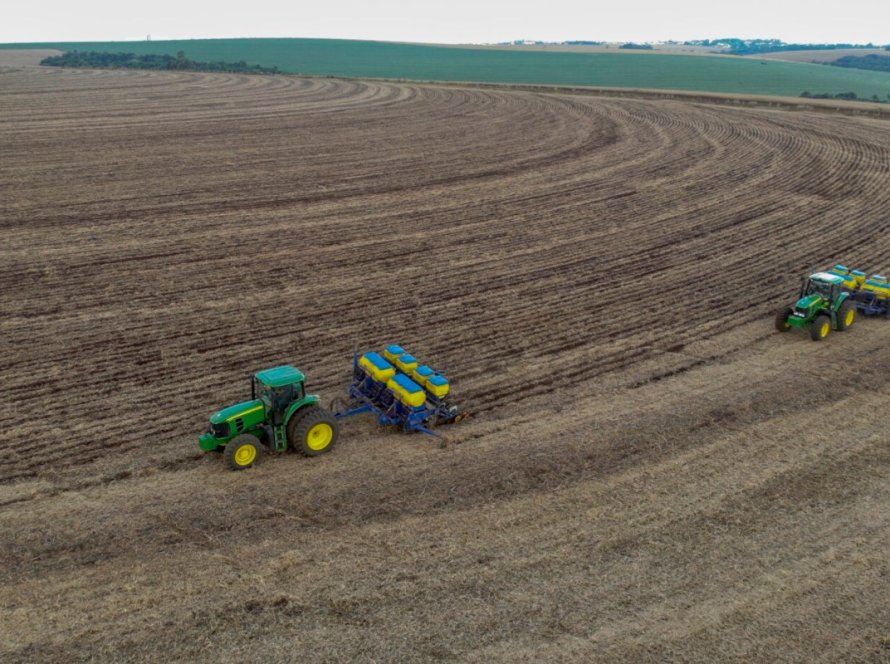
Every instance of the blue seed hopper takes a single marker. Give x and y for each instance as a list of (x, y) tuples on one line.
[(871, 294), (400, 391)]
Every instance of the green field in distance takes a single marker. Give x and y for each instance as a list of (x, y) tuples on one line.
[(367, 59)]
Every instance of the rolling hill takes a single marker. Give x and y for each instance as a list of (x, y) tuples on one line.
[(366, 59)]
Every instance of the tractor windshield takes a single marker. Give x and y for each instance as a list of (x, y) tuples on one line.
[(280, 397), (264, 392), (818, 288)]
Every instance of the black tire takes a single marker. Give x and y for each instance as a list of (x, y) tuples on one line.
[(782, 319), (846, 315), (312, 431), (820, 328), (239, 454)]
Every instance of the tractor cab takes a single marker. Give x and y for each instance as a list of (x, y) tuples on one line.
[(277, 388), (822, 284)]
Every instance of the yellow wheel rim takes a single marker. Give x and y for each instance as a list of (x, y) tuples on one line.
[(245, 455), (851, 316), (826, 328), (320, 436)]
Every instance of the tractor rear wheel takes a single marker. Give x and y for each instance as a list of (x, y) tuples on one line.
[(846, 315), (243, 451), (820, 328), (313, 431), (782, 319)]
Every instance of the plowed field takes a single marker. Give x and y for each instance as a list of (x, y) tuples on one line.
[(650, 473)]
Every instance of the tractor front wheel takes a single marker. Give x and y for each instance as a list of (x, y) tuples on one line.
[(820, 328), (313, 431), (846, 315), (782, 319), (243, 451)]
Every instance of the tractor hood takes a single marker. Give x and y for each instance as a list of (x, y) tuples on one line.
[(805, 303), (238, 410)]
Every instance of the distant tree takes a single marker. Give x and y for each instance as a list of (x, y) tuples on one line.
[(181, 61)]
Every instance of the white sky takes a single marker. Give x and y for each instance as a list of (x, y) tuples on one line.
[(455, 21)]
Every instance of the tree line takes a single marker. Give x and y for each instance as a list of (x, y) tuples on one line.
[(736, 46), (869, 62), (846, 96), (179, 62)]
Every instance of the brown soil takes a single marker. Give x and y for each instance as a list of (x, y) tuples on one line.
[(611, 47), (650, 473), (25, 56), (819, 55)]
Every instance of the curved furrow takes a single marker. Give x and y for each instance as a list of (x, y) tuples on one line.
[(169, 233)]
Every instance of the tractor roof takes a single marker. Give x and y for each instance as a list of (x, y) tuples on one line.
[(827, 278), (280, 376)]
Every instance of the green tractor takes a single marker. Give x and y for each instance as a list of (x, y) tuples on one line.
[(279, 415), (823, 306)]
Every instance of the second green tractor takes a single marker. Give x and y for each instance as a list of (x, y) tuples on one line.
[(822, 306)]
